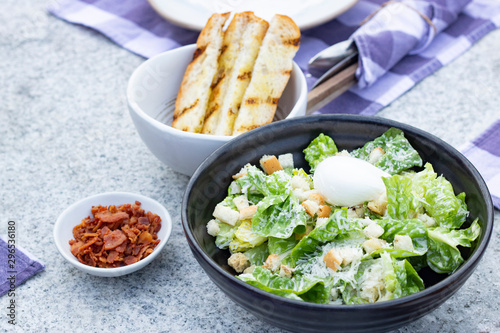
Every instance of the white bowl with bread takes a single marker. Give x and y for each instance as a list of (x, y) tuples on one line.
[(187, 102)]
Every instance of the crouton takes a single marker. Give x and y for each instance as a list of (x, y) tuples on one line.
[(286, 271), (226, 214), (375, 155), (348, 254), (272, 263), (374, 244), (241, 202), (379, 205), (324, 211), (270, 164), (213, 228), (238, 261), (373, 230), (242, 172), (332, 260), (247, 213), (403, 242), (311, 207), (318, 198), (286, 161)]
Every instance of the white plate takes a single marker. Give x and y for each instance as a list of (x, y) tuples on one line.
[(194, 14)]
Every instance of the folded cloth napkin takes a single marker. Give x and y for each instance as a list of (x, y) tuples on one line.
[(19, 269), (484, 153), (400, 28)]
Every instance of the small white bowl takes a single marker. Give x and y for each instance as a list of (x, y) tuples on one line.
[(151, 94), (74, 214)]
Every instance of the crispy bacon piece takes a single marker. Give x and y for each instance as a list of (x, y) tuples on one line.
[(113, 239), (115, 236)]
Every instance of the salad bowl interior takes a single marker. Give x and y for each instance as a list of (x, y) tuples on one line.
[(209, 184)]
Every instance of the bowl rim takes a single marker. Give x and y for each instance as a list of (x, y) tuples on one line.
[(166, 221), (463, 270), (133, 106)]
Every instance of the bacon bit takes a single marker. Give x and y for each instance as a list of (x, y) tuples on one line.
[(113, 239), (90, 235), (108, 217), (130, 260), (112, 256), (115, 236), (145, 238)]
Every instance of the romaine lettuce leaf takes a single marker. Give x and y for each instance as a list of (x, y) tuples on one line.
[(408, 278), (413, 228), (279, 218), (337, 225), (443, 255), (280, 246), (398, 277), (408, 195), (448, 210), (225, 235), (308, 288), (244, 238), (402, 202), (399, 154), (257, 255), (319, 149)]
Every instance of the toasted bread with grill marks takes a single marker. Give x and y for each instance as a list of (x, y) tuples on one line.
[(194, 92), (270, 75), (242, 41)]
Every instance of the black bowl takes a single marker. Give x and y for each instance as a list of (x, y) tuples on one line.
[(208, 186)]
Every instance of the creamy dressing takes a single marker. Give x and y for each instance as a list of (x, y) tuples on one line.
[(262, 8)]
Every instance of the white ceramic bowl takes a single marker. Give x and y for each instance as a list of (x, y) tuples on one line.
[(151, 94), (74, 214)]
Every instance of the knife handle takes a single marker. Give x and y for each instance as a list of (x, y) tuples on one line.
[(331, 89)]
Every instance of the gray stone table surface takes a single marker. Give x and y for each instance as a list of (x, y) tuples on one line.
[(65, 134)]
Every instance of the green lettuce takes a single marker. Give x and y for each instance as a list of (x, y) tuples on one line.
[(244, 238), (398, 276), (443, 255), (413, 228), (399, 154), (279, 218), (411, 194), (257, 255), (307, 288), (319, 149), (337, 225)]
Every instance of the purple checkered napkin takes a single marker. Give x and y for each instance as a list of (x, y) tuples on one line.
[(400, 28), (16, 271), (484, 153)]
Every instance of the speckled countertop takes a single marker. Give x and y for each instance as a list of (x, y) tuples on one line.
[(65, 134)]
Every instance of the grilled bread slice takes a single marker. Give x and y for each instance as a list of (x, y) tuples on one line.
[(194, 93), (270, 75), (242, 41)]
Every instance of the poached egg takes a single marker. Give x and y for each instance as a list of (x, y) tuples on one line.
[(347, 181)]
